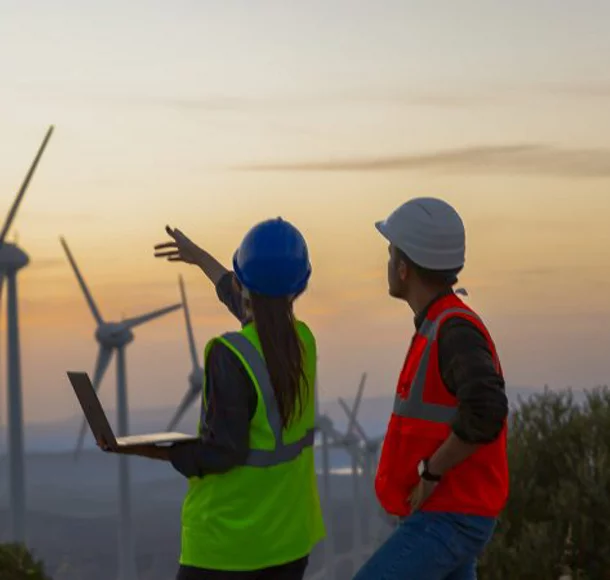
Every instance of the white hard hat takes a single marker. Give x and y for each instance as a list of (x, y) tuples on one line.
[(429, 231)]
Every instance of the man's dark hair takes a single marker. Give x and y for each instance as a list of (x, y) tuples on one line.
[(430, 277), (283, 352)]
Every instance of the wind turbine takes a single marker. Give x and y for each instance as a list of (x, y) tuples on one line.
[(331, 438), (370, 452), (196, 377), (13, 259), (115, 336), (328, 435), (351, 442)]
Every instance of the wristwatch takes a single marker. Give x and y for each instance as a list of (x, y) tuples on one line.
[(423, 472)]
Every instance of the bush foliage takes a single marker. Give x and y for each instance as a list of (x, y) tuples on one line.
[(17, 563), (558, 514)]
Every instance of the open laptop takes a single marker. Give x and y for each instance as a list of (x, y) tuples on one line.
[(94, 412)]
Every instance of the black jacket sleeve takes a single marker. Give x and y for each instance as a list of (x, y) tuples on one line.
[(230, 297), (469, 373), (224, 442)]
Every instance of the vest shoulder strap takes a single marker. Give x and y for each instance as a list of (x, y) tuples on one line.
[(256, 367), (414, 406), (430, 328)]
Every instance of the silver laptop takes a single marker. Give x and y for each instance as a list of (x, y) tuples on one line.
[(100, 427)]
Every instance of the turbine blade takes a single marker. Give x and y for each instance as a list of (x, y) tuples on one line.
[(104, 356), (356, 424), (189, 327), (81, 281), (133, 322), (24, 186), (345, 408), (356, 406), (189, 398)]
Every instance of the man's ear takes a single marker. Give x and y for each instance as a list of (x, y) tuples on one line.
[(403, 270)]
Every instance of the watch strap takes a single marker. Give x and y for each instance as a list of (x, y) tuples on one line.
[(429, 476)]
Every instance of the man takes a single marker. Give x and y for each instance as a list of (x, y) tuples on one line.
[(443, 468)]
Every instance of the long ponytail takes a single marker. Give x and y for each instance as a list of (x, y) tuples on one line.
[(283, 352)]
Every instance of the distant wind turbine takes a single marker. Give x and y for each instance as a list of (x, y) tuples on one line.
[(195, 379), (370, 453), (351, 442), (13, 259), (115, 336)]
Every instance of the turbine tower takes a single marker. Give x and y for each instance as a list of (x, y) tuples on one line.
[(352, 444), (115, 336), (12, 259), (331, 438), (370, 452), (196, 377)]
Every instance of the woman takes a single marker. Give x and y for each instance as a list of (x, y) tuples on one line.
[(252, 508)]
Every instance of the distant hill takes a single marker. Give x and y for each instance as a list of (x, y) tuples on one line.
[(374, 412), (72, 505)]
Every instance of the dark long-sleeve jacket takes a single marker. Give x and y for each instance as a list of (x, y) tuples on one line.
[(467, 369)]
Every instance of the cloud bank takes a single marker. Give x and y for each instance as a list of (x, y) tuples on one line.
[(515, 158)]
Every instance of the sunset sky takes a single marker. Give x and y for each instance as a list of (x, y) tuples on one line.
[(210, 116)]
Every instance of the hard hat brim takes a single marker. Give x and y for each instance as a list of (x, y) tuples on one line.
[(382, 229)]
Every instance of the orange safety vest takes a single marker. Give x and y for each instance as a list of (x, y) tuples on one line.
[(421, 421)]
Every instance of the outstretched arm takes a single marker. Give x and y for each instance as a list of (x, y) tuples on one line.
[(183, 249), (230, 296), (210, 266)]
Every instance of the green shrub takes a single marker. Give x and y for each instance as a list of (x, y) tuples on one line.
[(559, 456), (16, 563)]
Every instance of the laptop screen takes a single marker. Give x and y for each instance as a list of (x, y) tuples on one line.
[(91, 406)]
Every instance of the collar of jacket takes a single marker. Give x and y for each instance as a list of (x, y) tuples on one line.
[(421, 316)]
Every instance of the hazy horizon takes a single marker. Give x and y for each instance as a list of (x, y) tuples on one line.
[(212, 116)]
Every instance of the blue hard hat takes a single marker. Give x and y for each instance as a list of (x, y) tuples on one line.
[(273, 259)]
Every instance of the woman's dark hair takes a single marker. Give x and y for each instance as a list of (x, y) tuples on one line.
[(431, 277), (283, 352)]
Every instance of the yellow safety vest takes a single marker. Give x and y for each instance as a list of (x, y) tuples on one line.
[(267, 512)]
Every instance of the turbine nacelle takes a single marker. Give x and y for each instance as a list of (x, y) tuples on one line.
[(196, 378), (324, 423), (114, 334), (12, 257)]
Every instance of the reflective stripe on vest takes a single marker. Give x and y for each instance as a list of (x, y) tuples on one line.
[(414, 407), (282, 452)]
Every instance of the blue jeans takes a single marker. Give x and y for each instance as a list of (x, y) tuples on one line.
[(431, 546)]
